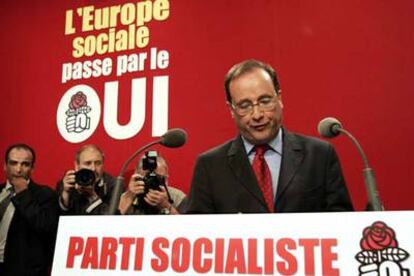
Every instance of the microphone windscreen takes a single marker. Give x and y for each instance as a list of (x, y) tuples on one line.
[(174, 138), (329, 127)]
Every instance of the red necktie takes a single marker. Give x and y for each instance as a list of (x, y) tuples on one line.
[(262, 172)]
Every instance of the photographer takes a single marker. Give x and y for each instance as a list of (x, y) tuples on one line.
[(146, 192), (86, 192)]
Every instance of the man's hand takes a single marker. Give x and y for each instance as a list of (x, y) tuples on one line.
[(88, 191), (19, 183), (68, 185), (136, 185), (69, 181), (157, 198), (125, 202)]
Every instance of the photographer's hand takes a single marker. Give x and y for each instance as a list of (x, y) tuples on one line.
[(88, 191), (125, 202), (136, 185), (68, 185), (157, 198)]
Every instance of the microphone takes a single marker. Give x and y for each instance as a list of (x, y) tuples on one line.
[(173, 138), (330, 127)]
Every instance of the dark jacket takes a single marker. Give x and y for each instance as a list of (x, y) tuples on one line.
[(32, 232), (310, 179)]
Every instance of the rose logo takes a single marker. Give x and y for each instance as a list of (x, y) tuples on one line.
[(78, 100), (77, 119), (377, 237), (380, 252)]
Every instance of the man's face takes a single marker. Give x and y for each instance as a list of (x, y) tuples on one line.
[(162, 170), (258, 126), (91, 159), (19, 164)]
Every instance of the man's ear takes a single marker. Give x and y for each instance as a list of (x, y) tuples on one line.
[(76, 165), (231, 109), (279, 98)]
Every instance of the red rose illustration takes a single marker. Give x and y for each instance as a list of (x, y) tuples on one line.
[(378, 236), (78, 100)]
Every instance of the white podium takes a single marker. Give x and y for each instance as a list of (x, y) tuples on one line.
[(351, 243)]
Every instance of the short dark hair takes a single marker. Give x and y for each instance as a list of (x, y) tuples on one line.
[(85, 147), (247, 66), (20, 146)]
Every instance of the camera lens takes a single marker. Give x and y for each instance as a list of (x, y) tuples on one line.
[(85, 177)]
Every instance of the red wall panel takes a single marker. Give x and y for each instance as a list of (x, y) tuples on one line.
[(348, 59)]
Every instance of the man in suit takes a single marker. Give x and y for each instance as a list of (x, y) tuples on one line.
[(265, 168), (28, 217), (93, 199)]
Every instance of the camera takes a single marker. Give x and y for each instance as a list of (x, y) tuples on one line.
[(85, 177), (151, 180), (149, 161)]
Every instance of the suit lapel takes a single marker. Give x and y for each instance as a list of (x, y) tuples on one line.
[(242, 169), (292, 157)]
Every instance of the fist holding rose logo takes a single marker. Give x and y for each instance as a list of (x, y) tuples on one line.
[(78, 120), (380, 255)]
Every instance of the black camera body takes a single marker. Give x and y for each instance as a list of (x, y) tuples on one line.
[(151, 180), (85, 177)]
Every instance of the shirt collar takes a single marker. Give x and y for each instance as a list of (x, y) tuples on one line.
[(101, 182), (8, 185), (276, 144)]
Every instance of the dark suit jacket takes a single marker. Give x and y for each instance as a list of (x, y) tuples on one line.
[(32, 232), (310, 179)]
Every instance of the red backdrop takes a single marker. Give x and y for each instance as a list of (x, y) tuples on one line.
[(350, 59)]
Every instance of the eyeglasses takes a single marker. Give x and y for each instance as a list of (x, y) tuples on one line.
[(246, 107)]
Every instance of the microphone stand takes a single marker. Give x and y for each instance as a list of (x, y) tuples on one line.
[(368, 172), (119, 181)]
